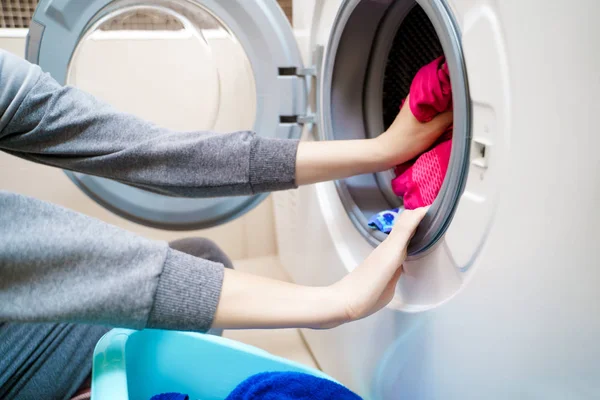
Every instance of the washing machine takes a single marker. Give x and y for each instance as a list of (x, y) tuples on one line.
[(499, 296)]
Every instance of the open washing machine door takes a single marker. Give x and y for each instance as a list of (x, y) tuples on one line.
[(203, 55)]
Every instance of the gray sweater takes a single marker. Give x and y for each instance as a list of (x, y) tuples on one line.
[(58, 265)]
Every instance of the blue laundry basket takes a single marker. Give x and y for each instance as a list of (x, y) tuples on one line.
[(137, 365)]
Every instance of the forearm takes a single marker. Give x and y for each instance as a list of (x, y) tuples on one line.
[(405, 139), (330, 160), (249, 301)]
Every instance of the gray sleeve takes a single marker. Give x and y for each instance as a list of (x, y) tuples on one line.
[(58, 265), (64, 127)]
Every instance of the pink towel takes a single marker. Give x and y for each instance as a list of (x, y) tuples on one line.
[(419, 181)]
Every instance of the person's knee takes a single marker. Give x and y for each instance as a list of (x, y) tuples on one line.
[(202, 248)]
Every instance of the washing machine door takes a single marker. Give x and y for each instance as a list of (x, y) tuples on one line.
[(263, 64)]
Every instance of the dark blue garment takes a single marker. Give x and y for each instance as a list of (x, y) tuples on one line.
[(289, 386), (170, 396)]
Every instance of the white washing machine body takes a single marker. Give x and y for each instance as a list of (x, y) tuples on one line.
[(505, 304)]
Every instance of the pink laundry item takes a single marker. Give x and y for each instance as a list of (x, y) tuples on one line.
[(418, 182)]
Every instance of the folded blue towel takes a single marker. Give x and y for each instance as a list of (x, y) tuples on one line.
[(289, 386), (384, 220)]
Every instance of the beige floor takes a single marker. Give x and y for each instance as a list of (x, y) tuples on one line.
[(287, 343)]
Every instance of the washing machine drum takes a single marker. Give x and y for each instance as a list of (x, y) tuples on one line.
[(363, 97), (414, 45)]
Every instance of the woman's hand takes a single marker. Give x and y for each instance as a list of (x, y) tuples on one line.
[(371, 286), (249, 301), (406, 138)]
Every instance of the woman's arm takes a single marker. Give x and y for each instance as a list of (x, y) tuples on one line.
[(67, 128), (60, 266), (249, 301)]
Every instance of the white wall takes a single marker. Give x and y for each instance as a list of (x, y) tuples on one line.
[(163, 86)]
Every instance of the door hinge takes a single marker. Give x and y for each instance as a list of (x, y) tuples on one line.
[(303, 73), (297, 119), (306, 119), (309, 71), (310, 75), (295, 71)]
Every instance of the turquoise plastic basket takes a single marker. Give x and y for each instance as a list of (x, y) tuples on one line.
[(140, 364)]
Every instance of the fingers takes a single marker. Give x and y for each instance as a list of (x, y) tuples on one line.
[(410, 219), (371, 285), (443, 120), (407, 224)]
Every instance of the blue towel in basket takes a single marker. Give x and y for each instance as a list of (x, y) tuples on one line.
[(289, 386), (170, 396), (280, 386)]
